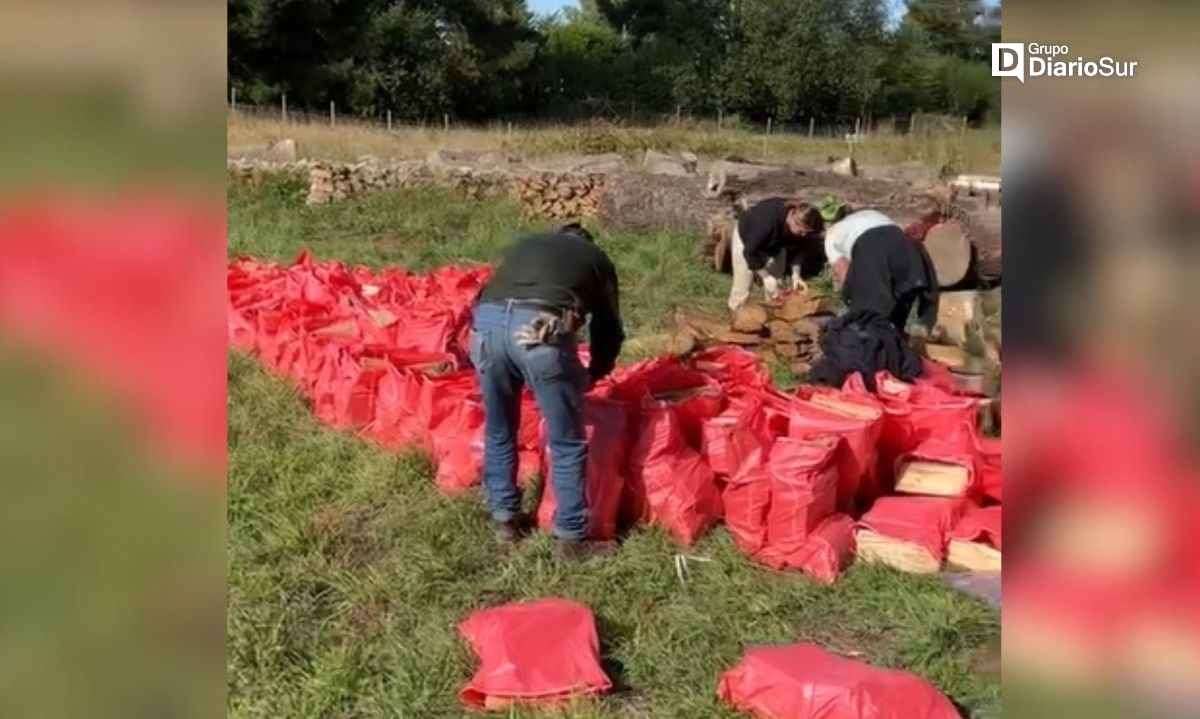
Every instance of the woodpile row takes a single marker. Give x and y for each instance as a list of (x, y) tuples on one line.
[(559, 195), (786, 331), (336, 182)]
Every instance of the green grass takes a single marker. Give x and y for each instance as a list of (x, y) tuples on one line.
[(349, 572)]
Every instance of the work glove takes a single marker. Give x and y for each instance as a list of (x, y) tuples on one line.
[(771, 285), (798, 283)]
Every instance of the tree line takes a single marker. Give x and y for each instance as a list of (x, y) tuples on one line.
[(828, 61)]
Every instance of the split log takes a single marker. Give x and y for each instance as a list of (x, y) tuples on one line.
[(750, 317), (950, 250), (783, 331), (659, 163), (906, 556), (935, 479), (973, 556), (953, 357), (846, 167), (976, 183)]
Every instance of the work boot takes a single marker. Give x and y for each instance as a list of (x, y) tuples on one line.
[(512, 531), (578, 550)]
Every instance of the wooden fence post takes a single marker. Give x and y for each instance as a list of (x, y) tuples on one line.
[(389, 120), (283, 106), (812, 125), (332, 114)]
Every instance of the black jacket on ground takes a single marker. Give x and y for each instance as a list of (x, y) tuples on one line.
[(864, 341), (570, 272), (889, 272)]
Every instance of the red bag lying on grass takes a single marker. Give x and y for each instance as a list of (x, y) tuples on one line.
[(803, 681), (541, 652), (670, 483), (979, 524), (827, 551), (924, 521), (605, 425)]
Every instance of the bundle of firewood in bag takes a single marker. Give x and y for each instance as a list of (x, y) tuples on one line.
[(559, 195), (787, 329)]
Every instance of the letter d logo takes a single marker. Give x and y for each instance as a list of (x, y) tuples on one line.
[(1008, 60)]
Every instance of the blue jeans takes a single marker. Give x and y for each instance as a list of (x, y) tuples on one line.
[(558, 381)]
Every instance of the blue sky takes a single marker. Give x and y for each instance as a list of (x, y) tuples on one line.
[(550, 5)]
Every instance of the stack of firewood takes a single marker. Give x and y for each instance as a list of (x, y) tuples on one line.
[(559, 195), (330, 182), (786, 331)]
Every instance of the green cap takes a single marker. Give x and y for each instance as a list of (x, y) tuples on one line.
[(829, 208)]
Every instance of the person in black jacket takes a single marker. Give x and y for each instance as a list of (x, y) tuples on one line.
[(765, 236), (523, 332)]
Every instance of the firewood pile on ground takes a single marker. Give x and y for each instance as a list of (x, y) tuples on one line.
[(786, 330), (559, 195)]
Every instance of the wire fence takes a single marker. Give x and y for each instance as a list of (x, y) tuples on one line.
[(330, 116)]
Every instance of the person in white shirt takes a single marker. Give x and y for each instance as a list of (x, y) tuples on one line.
[(879, 268)]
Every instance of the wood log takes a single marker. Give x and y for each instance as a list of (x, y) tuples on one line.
[(782, 331), (973, 556), (949, 355), (799, 305), (959, 316), (935, 479), (846, 167), (750, 317), (801, 368), (950, 250), (806, 327), (659, 163), (976, 183), (906, 556), (786, 351)]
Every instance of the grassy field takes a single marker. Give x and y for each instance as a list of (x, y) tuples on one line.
[(933, 144), (349, 572)]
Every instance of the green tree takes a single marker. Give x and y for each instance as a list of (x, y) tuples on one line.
[(795, 59)]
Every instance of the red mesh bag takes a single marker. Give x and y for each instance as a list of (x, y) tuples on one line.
[(991, 480), (542, 652), (605, 425), (931, 411), (926, 521), (732, 367), (858, 424), (803, 493), (803, 681), (828, 550), (979, 524), (957, 447), (747, 499), (670, 480), (730, 436)]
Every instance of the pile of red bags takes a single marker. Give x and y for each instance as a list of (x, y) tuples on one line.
[(928, 421), (683, 444)]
